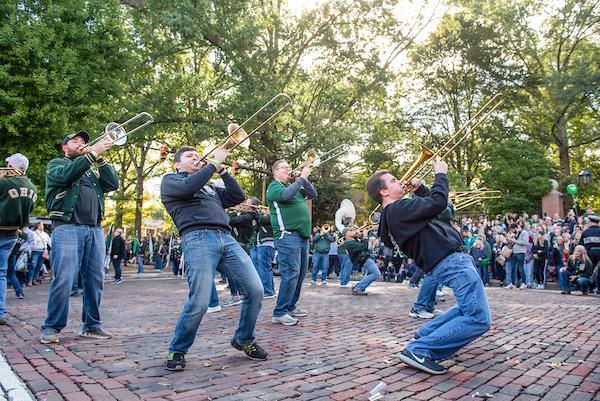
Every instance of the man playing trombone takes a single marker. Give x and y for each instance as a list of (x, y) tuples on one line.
[(75, 202), (198, 210), (290, 219), (412, 224)]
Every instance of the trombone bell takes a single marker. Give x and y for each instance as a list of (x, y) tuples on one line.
[(116, 133), (237, 136), (425, 155)]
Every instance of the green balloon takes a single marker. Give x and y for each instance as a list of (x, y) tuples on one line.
[(571, 189)]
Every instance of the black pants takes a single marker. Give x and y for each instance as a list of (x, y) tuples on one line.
[(334, 265), (117, 265), (416, 277)]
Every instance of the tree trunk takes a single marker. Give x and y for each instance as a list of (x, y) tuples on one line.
[(119, 211), (563, 147), (139, 192)]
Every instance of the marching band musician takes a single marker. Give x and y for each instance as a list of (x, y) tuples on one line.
[(75, 202), (290, 219), (264, 251), (320, 258), (437, 248), (17, 199), (357, 246), (198, 211)]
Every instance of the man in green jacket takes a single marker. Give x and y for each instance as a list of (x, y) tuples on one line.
[(17, 199), (320, 259), (75, 201), (290, 219)]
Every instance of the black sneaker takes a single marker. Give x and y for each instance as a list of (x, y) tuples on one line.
[(175, 361), (416, 336), (252, 351), (423, 363)]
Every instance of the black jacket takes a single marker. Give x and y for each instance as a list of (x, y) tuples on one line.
[(413, 226), (118, 247), (194, 204)]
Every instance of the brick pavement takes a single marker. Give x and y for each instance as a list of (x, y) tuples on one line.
[(542, 346)]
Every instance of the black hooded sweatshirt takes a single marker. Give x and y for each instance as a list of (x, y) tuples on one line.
[(411, 223)]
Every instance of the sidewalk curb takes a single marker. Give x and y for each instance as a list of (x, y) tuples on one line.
[(14, 388)]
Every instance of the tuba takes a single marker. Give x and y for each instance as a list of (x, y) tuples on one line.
[(345, 215)]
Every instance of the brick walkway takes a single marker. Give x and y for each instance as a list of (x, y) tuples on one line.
[(542, 346)]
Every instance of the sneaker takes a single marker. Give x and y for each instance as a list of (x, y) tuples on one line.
[(252, 351), (412, 286), (286, 320), (233, 300), (99, 334), (347, 285), (313, 282), (523, 286), (509, 287), (175, 361), (297, 312), (268, 296), (358, 292), (423, 363), (49, 338), (21, 296), (416, 336), (421, 314), (439, 293), (118, 281), (324, 283), (213, 309)]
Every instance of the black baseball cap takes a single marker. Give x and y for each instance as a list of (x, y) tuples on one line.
[(83, 134)]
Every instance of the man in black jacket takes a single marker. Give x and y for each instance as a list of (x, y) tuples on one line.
[(117, 253), (198, 211), (412, 224)]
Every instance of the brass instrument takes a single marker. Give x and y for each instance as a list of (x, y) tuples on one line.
[(9, 172), (237, 135), (422, 166), (118, 133), (262, 208), (315, 160), (464, 199), (372, 221), (326, 228)]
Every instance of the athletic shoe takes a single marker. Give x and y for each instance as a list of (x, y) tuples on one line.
[(523, 286), (286, 320), (313, 282), (416, 336), (412, 286), (213, 309), (347, 285), (423, 363), (233, 300), (21, 296), (119, 281), (297, 312), (439, 293), (268, 296), (175, 361), (324, 283), (252, 351), (99, 334), (421, 314), (509, 287), (49, 338)]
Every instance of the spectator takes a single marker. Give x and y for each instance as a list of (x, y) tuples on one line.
[(117, 253), (581, 269), (539, 252)]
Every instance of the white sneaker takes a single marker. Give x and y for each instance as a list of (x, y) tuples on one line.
[(439, 293), (421, 314), (297, 312), (540, 286), (347, 285), (313, 282), (286, 320), (523, 286), (232, 301), (324, 283), (268, 296), (212, 309), (509, 287)]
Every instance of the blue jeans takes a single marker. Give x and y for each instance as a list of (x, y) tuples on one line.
[(320, 261), (426, 297), (204, 251), (7, 242), (518, 266), (140, 262), (263, 262), (158, 264), (586, 284), (76, 247), (292, 256), (372, 274), (464, 322), (563, 280), (35, 265), (483, 273), (214, 297), (511, 272), (12, 275), (117, 265), (346, 270), (528, 267)]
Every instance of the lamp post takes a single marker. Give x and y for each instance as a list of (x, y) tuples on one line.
[(584, 177)]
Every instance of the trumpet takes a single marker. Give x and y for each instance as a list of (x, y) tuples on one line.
[(325, 228), (315, 160), (422, 166), (118, 133), (9, 172), (237, 135)]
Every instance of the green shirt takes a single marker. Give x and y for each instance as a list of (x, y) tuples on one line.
[(17, 199), (288, 216)]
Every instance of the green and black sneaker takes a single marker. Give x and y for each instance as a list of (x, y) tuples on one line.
[(252, 351), (175, 361)]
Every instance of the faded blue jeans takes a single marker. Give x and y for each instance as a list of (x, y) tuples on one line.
[(320, 261), (372, 274), (346, 269), (426, 297), (204, 251), (263, 262), (519, 267), (292, 256), (7, 242), (140, 263), (76, 246), (464, 322)]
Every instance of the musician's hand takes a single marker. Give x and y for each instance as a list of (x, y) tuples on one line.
[(365, 233), (306, 171), (115, 257), (102, 146), (220, 155), (440, 166)]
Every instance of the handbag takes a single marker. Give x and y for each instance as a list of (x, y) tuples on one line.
[(45, 254), (506, 252), (22, 262)]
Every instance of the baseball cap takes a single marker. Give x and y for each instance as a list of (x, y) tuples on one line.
[(594, 218), (82, 134), (18, 161)]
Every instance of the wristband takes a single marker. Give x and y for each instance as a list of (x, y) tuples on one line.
[(216, 163), (94, 154)]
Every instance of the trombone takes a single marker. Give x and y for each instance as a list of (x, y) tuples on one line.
[(260, 208), (118, 133), (421, 167), (314, 159), (373, 220), (465, 199), (9, 172), (237, 135)]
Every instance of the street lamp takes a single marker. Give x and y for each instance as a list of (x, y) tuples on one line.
[(585, 177)]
